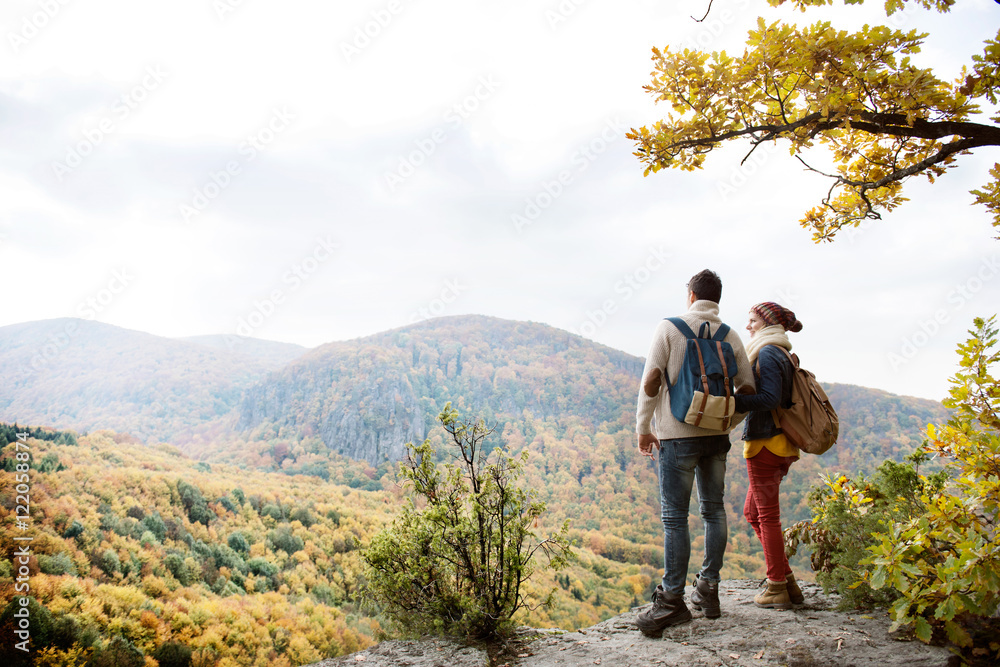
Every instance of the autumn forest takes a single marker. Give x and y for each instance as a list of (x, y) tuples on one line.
[(238, 542)]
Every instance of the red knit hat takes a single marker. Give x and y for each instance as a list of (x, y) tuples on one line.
[(771, 313)]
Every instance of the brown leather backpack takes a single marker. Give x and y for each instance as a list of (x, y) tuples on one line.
[(811, 424)]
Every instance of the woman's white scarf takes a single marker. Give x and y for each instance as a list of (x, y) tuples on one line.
[(773, 334)]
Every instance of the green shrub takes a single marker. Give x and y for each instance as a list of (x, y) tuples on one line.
[(272, 511), (74, 529), (154, 524), (926, 545), (282, 538), (194, 503), (227, 503), (129, 527), (846, 514), (303, 516), (119, 652), (262, 567), (110, 563), (61, 563), (457, 566), (173, 654), (174, 562), (50, 463), (237, 542), (227, 557), (945, 563)]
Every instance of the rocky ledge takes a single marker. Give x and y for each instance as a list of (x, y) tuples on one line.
[(811, 635)]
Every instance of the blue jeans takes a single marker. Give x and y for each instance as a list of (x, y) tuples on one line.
[(682, 460)]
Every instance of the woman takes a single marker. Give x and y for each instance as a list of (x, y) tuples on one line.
[(767, 451)]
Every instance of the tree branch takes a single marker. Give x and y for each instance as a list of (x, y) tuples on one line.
[(710, 9)]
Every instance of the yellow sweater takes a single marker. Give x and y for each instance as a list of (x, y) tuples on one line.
[(777, 445)]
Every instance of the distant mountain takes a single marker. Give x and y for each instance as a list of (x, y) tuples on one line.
[(365, 398), (876, 425), (362, 398), (85, 375), (271, 352)]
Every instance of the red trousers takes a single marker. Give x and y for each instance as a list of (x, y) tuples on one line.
[(766, 470)]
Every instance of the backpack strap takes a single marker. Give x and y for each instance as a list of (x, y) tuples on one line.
[(719, 337), (704, 386), (682, 326), (795, 365), (725, 370)]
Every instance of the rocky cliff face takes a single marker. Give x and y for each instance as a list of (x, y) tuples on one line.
[(812, 635), (358, 401)]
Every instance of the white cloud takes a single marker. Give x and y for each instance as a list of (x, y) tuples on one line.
[(536, 97)]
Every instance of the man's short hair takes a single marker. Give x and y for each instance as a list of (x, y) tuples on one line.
[(706, 285)]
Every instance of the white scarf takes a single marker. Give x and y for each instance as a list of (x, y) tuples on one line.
[(773, 334)]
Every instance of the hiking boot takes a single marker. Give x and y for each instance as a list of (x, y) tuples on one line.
[(774, 597), (706, 597), (668, 609), (795, 595)]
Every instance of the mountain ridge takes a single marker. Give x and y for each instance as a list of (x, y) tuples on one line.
[(273, 352), (363, 398), (382, 390), (82, 374)]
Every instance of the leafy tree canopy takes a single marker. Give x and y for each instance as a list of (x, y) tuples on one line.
[(883, 118)]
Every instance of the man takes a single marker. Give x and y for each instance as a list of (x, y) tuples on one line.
[(686, 453)]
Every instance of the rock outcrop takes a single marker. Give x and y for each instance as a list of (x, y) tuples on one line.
[(812, 635)]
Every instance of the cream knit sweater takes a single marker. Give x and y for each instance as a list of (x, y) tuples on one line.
[(667, 350)]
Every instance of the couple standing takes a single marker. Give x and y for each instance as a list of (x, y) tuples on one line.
[(687, 453)]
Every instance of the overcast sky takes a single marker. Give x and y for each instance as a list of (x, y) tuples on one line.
[(309, 171)]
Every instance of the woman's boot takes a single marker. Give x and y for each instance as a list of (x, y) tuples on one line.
[(774, 597), (794, 592)]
